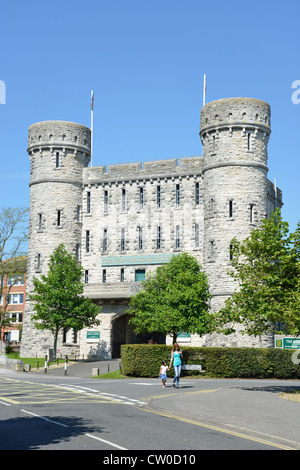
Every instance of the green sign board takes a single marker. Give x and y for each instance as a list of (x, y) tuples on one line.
[(134, 260), (93, 336), (287, 342), (291, 343)]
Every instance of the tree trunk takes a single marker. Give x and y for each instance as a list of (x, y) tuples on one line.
[(55, 344)]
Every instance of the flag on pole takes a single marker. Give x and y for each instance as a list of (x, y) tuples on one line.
[(92, 125), (92, 101), (204, 89)]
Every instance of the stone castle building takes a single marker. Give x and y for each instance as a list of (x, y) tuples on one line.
[(122, 221)]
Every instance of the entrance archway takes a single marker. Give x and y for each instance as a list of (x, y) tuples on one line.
[(122, 333)]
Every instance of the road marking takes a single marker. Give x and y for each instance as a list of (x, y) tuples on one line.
[(112, 444), (106, 442), (218, 429), (6, 404), (45, 419)]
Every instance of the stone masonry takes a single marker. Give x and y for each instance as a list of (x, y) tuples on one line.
[(122, 221)]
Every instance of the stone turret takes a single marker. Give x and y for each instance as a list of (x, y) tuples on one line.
[(234, 134), (58, 152)]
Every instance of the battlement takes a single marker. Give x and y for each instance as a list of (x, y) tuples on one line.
[(59, 134), (147, 170), (235, 112)]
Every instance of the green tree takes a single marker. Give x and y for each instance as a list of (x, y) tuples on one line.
[(13, 261), (58, 297), (266, 267), (173, 300)]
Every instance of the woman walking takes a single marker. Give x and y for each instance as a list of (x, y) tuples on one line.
[(177, 359)]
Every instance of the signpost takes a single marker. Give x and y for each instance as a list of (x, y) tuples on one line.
[(287, 342)]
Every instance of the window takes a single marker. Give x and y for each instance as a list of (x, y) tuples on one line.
[(15, 317), (158, 237), (78, 215), (105, 239), (177, 195), (140, 275), (104, 275), (251, 208), (249, 141), (123, 199), (105, 201), (87, 241), (122, 239), (77, 252), (86, 276), (58, 218), (57, 160), (230, 252), (230, 208), (197, 194), (40, 223), (88, 202), (211, 249), (177, 234), (15, 281), (141, 197), (16, 298), (158, 200), (140, 229), (122, 275), (38, 264), (197, 236)]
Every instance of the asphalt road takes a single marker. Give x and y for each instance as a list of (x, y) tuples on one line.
[(57, 412)]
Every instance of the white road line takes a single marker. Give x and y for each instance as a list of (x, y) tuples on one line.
[(106, 442), (6, 404), (112, 444), (45, 419)]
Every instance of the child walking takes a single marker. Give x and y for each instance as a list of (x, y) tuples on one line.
[(163, 373)]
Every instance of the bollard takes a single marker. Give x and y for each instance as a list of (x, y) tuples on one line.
[(46, 364), (66, 364), (108, 367)]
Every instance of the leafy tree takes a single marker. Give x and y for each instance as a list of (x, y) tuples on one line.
[(58, 297), (172, 300), (266, 267), (12, 257)]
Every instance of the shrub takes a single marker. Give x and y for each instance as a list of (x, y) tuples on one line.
[(144, 360)]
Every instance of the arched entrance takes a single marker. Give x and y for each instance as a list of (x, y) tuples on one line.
[(122, 333)]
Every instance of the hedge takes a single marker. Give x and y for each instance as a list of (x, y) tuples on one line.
[(144, 360)]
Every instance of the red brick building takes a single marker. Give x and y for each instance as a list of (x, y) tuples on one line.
[(13, 296)]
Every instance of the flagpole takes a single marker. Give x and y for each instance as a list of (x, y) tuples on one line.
[(92, 125), (204, 89)]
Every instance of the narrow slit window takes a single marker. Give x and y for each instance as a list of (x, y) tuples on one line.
[(87, 241), (251, 213), (141, 198), (158, 196), (230, 208), (177, 195), (177, 233), (197, 194), (123, 199), (57, 160), (249, 141), (105, 201), (158, 238), (59, 218), (88, 202), (123, 239), (105, 239)]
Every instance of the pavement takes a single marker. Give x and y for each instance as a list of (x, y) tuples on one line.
[(237, 406)]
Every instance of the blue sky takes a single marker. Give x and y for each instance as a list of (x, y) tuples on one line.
[(145, 61)]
